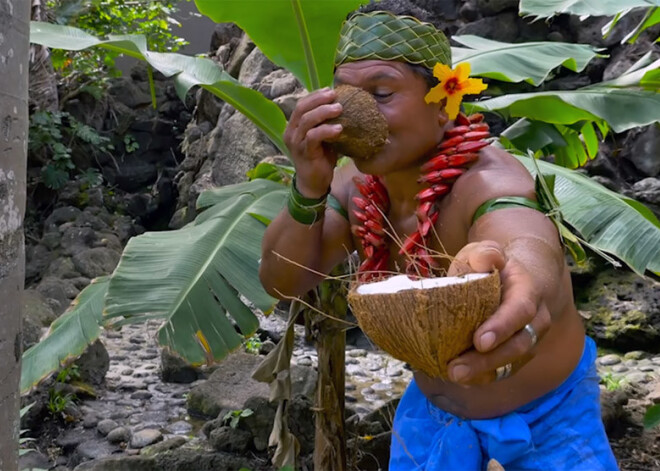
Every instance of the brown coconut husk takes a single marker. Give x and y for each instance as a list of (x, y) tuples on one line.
[(427, 327), (365, 128)]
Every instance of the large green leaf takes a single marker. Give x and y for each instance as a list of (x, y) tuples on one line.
[(299, 35), (194, 277), (530, 62), (185, 71), (548, 8), (68, 336), (606, 220), (621, 108)]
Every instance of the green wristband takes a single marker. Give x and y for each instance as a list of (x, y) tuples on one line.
[(305, 210)]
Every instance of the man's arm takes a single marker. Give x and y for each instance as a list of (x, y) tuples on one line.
[(524, 245), (294, 254)]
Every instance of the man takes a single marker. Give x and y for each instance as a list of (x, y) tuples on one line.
[(527, 394)]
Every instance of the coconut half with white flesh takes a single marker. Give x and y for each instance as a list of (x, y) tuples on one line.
[(426, 322)]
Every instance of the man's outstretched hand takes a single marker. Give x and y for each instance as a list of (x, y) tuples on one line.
[(501, 338)]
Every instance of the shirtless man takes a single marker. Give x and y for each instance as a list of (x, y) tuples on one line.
[(527, 394)]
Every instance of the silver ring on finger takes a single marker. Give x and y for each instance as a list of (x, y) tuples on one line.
[(532, 333), (503, 372)]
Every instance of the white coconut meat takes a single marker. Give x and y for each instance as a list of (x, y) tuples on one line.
[(403, 282)]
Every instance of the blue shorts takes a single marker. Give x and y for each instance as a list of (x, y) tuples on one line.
[(560, 431)]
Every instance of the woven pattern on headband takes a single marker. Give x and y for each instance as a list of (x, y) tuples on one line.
[(383, 36)]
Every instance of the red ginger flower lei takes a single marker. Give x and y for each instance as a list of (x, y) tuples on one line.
[(459, 148)]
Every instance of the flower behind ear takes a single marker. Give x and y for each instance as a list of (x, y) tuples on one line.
[(453, 85)]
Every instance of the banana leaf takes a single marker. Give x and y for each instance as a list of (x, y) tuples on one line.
[(196, 278), (572, 146), (184, 70), (68, 337), (531, 62), (548, 8), (621, 103), (609, 222), (299, 35)]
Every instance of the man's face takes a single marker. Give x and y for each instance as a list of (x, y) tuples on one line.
[(415, 128)]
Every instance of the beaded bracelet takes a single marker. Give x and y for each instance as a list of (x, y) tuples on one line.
[(306, 210)]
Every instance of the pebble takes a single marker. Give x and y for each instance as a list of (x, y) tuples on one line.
[(619, 368), (90, 421), (180, 427), (106, 426), (119, 435), (638, 377), (634, 355), (304, 361), (609, 360), (145, 437), (630, 363), (141, 395), (356, 352)]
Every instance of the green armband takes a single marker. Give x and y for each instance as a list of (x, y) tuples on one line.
[(305, 210), (503, 203)]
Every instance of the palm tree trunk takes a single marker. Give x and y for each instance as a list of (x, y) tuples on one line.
[(14, 24)]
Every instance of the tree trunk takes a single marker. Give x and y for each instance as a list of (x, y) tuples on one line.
[(14, 25), (328, 330), (43, 81)]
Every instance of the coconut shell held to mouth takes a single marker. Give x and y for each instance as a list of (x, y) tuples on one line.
[(364, 126), (426, 322)]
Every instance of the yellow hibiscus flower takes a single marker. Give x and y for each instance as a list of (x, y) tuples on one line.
[(453, 85)]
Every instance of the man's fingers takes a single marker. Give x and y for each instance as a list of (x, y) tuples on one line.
[(317, 116), (519, 306), (477, 257), (311, 101), (474, 367)]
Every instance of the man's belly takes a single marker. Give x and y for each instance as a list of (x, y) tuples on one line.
[(556, 356)]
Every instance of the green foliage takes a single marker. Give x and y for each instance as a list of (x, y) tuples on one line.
[(53, 135), (252, 344), (532, 62), (58, 402), (610, 382), (273, 172), (216, 274), (23, 441), (68, 374), (91, 70), (306, 37), (185, 71), (652, 416), (234, 416), (68, 336), (130, 144), (548, 8)]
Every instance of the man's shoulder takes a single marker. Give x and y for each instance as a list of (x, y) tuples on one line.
[(497, 174)]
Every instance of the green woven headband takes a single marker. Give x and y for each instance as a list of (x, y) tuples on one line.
[(383, 36)]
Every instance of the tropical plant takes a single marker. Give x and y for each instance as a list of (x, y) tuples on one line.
[(53, 135)]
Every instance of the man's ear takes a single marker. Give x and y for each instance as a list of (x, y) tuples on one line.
[(443, 117)]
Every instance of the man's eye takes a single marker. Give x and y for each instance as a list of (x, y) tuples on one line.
[(381, 95)]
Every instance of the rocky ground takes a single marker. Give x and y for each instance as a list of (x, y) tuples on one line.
[(135, 417)]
